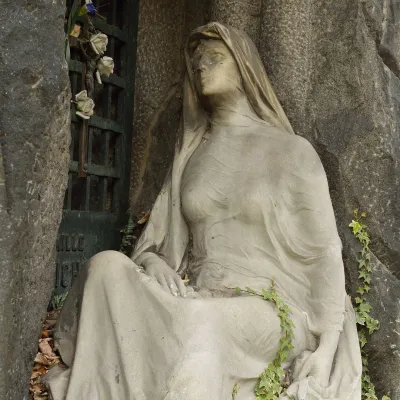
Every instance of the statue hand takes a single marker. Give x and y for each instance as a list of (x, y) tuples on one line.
[(165, 275), (318, 365)]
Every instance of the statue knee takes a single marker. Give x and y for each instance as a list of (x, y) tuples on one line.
[(108, 264)]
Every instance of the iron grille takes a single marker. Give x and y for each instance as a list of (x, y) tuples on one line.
[(96, 199)]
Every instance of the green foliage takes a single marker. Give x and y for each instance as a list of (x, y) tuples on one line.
[(73, 15), (365, 323), (269, 385), (127, 237), (57, 300), (235, 391)]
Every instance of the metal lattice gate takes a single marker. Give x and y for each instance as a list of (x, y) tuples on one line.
[(96, 200)]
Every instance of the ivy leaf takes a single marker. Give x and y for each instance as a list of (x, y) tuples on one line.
[(235, 391), (361, 263), (360, 319), (372, 325), (361, 290), (363, 274), (364, 307), (356, 226)]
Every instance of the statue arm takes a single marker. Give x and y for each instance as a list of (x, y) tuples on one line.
[(144, 258), (328, 341), (315, 240)]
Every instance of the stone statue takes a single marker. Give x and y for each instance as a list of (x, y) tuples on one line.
[(246, 203)]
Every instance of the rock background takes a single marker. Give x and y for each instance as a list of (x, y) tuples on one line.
[(34, 138), (335, 67)]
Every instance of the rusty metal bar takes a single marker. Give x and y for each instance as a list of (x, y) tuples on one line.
[(83, 139)]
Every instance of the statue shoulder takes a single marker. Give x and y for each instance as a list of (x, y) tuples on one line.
[(304, 155)]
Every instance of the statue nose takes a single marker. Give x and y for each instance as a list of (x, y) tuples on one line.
[(204, 64)]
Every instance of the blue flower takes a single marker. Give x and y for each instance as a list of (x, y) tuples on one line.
[(88, 8), (91, 9)]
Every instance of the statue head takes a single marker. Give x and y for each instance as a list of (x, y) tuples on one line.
[(223, 61), (215, 70)]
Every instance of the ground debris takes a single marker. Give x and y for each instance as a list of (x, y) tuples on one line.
[(46, 357)]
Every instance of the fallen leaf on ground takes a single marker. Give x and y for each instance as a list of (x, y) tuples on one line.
[(40, 397), (45, 347), (45, 334), (37, 389), (38, 372), (41, 359), (45, 358)]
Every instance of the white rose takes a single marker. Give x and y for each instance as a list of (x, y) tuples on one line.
[(105, 66), (99, 43), (84, 104)]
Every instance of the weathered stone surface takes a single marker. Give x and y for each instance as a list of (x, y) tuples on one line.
[(241, 14), (384, 347), (158, 73), (34, 127)]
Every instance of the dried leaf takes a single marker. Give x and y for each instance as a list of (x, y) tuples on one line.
[(45, 334), (38, 372), (40, 397), (53, 360), (45, 347), (41, 359), (37, 389), (144, 218)]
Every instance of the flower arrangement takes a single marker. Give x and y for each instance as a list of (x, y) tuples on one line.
[(92, 45)]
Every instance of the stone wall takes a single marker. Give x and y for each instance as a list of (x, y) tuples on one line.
[(34, 137), (335, 68)]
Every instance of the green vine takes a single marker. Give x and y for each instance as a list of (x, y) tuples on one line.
[(235, 391), (269, 385), (57, 300), (365, 323), (127, 237)]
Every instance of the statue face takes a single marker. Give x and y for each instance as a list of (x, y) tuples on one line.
[(215, 70)]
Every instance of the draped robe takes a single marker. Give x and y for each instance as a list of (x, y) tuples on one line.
[(169, 336)]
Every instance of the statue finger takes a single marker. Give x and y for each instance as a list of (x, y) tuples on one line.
[(172, 287), (181, 286), (305, 371), (163, 282), (150, 272)]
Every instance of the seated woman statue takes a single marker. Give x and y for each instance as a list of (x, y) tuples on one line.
[(245, 204)]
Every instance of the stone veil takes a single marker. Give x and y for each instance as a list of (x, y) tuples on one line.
[(124, 337)]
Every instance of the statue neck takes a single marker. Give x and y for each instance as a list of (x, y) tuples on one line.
[(234, 111)]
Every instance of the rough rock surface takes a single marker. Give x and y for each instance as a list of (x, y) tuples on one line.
[(157, 92), (34, 129)]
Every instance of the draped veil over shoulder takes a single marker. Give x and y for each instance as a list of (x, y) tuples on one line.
[(298, 218)]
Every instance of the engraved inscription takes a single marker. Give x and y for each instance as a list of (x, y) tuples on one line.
[(72, 242), (68, 246), (66, 272)]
